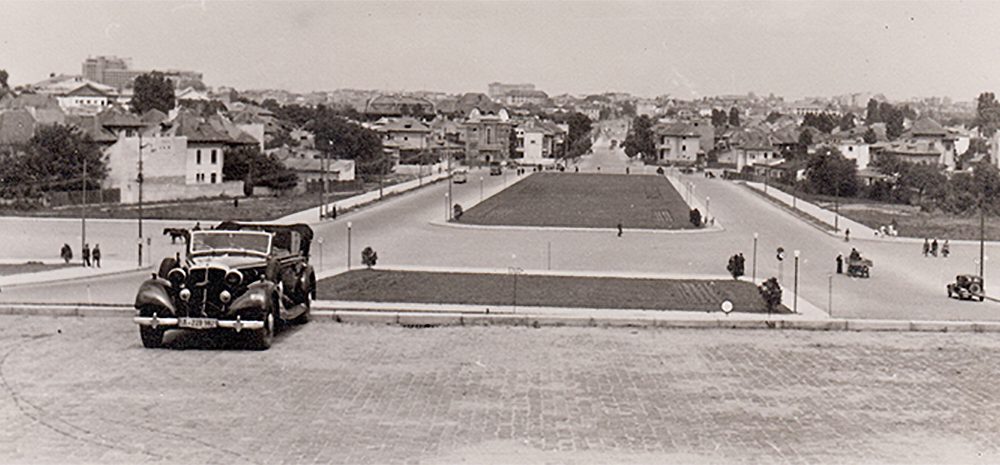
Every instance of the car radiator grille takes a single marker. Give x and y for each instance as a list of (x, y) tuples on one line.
[(206, 284)]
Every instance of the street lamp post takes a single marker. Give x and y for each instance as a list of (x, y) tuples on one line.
[(708, 208), (754, 278), (480, 188), (982, 242), (349, 245), (836, 210), (447, 206), (795, 303), (140, 181)]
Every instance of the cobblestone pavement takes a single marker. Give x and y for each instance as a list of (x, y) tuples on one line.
[(83, 390)]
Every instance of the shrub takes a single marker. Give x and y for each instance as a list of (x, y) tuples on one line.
[(770, 291), (457, 213), (695, 217), (369, 257), (736, 266), (659, 170)]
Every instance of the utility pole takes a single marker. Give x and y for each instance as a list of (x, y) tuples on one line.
[(450, 194), (83, 207)]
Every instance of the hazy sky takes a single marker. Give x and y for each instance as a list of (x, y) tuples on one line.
[(647, 48)]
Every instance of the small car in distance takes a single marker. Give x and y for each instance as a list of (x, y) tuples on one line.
[(967, 287), (460, 176), (496, 170), (245, 277)]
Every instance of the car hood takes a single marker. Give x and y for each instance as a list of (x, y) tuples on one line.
[(228, 261)]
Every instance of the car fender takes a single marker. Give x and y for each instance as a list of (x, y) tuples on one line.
[(255, 301), (153, 293), (307, 278)]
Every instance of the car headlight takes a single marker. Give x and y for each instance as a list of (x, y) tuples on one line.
[(234, 278), (185, 294), (177, 276), (225, 297)]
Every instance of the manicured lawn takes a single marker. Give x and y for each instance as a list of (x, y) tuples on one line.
[(29, 267), (585, 201), (535, 290)]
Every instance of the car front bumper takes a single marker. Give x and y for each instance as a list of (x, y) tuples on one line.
[(171, 322)]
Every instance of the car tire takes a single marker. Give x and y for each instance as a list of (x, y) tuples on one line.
[(152, 338), (261, 339)]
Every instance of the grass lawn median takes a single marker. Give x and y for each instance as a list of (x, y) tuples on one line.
[(541, 291), (585, 200), (30, 267)]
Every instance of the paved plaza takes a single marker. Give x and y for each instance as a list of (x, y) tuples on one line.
[(330, 393)]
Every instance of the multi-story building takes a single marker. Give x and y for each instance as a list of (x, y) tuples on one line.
[(676, 143), (116, 72), (407, 135), (539, 143), (499, 90), (525, 97), (487, 137)]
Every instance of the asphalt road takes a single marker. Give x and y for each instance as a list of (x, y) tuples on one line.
[(406, 231)]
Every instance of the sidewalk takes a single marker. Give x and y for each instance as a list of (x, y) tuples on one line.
[(839, 222), (311, 215), (108, 267)]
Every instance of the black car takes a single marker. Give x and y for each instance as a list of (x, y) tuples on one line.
[(238, 276)]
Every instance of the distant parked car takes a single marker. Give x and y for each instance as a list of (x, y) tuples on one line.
[(245, 277), (967, 287), (460, 176), (496, 170)]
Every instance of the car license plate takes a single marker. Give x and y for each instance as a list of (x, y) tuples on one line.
[(198, 323)]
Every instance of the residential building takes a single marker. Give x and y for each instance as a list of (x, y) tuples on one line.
[(855, 149), (312, 169), (676, 143), (926, 142), (539, 143), (76, 94), (487, 137), (408, 135), (399, 105)]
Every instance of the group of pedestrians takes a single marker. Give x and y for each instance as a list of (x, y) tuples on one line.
[(91, 258), (931, 248)]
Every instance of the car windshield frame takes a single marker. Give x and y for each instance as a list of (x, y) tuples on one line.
[(232, 246)]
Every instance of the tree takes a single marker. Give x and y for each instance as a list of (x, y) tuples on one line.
[(869, 136), (369, 257), (734, 117), (640, 139), (254, 168), (3, 80), (719, 118), (872, 114), (578, 139), (805, 139), (987, 113), (770, 291), (341, 139), (694, 216), (847, 122), (829, 173), (153, 90), (922, 180), (628, 108), (825, 122), (52, 160), (893, 118)]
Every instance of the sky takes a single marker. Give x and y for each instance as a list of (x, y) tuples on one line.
[(684, 49)]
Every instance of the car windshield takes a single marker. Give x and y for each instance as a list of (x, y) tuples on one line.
[(207, 242)]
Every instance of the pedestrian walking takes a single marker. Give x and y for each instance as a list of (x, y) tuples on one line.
[(197, 226), (741, 263), (945, 249), (97, 255), (934, 248), (840, 263), (66, 253), (619, 229), (86, 255), (927, 247), (847, 235)]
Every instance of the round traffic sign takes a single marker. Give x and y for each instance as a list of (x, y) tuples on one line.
[(727, 307)]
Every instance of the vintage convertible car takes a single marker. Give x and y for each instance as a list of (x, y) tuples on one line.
[(246, 277), (967, 287)]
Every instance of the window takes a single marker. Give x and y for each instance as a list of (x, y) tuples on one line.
[(213, 158), (197, 157), (213, 178)]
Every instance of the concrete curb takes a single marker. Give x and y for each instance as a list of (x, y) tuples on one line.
[(658, 320), (73, 278), (710, 229)]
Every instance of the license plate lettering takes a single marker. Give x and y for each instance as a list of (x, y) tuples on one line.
[(198, 323)]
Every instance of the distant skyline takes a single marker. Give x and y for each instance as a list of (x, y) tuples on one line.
[(687, 50)]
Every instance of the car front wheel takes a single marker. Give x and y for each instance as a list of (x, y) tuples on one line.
[(152, 338), (261, 339)]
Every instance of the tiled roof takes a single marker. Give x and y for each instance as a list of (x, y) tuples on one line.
[(678, 129), (118, 117), (403, 124), (927, 127)]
